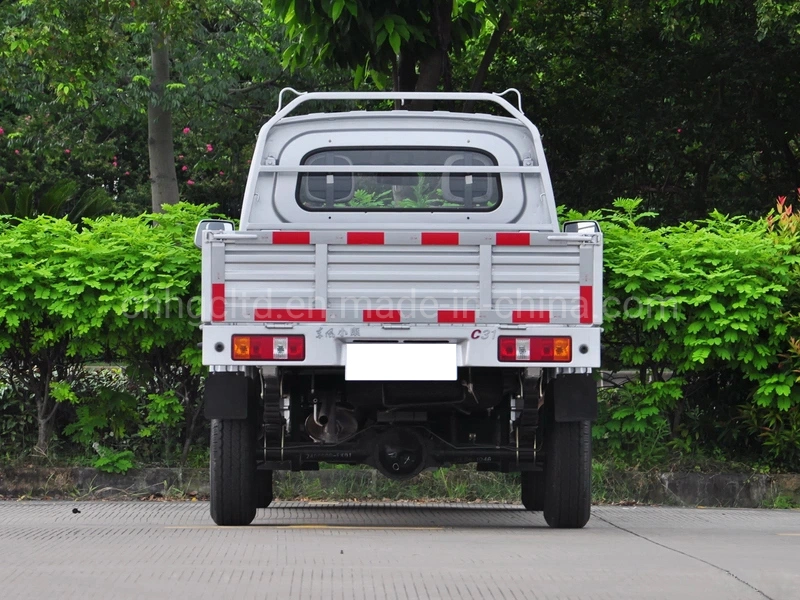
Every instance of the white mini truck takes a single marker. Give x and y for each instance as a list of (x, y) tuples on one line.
[(399, 294)]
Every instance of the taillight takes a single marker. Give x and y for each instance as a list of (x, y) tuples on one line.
[(534, 349), (268, 347)]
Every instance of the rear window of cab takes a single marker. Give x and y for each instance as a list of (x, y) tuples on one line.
[(407, 188)]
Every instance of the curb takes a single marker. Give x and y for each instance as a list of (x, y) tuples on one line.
[(733, 490)]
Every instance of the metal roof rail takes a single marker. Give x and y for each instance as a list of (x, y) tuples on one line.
[(495, 98)]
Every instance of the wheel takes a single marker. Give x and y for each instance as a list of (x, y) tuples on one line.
[(532, 490), (264, 488), (234, 493), (568, 474)]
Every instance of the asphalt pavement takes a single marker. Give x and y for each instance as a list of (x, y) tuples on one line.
[(371, 551)]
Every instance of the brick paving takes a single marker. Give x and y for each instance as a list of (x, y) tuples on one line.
[(394, 551)]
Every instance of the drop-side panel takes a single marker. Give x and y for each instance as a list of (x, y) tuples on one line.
[(499, 284), (406, 278), (537, 278), (262, 276)]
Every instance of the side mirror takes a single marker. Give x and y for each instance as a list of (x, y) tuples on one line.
[(581, 227), (210, 225)]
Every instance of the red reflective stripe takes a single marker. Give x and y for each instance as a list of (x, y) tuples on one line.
[(217, 301), (290, 314), (291, 237), (456, 316), (530, 316), (365, 237), (513, 239), (587, 310), (381, 316), (439, 239)]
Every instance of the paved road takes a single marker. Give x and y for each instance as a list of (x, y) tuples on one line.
[(298, 550)]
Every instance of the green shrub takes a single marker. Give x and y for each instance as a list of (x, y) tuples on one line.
[(697, 311), (118, 288)]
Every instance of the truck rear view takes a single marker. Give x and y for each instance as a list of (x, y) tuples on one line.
[(399, 294)]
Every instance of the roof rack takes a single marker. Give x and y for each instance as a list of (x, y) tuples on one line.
[(497, 98)]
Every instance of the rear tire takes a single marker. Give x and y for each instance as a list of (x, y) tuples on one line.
[(233, 472), (532, 490), (568, 474), (264, 484)]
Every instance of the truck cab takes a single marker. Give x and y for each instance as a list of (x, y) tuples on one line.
[(399, 294)]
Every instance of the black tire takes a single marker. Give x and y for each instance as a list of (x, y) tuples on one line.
[(264, 492), (532, 490), (568, 474), (233, 472)]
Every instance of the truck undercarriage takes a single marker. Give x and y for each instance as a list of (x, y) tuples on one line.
[(502, 420)]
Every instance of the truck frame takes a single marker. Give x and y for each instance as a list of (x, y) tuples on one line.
[(399, 294)]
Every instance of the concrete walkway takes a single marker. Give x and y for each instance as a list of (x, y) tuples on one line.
[(302, 550)]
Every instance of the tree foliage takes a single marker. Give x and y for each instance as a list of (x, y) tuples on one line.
[(685, 104), (405, 45)]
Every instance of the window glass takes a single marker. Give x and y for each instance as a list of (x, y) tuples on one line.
[(406, 191)]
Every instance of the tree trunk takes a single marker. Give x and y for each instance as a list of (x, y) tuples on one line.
[(163, 181), (406, 72), (488, 57), (432, 66), (45, 416), (431, 69), (190, 429)]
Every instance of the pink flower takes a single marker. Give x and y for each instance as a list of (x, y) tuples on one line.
[(209, 148), (2, 131), (186, 131), (180, 156), (222, 172), (127, 172), (16, 151), (114, 163), (184, 168), (67, 151), (190, 182), (680, 130)]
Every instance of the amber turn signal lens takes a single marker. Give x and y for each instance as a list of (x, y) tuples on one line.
[(241, 347), (562, 349)]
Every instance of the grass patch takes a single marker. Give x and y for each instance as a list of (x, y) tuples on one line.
[(454, 484)]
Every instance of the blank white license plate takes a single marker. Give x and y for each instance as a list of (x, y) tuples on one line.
[(401, 362)]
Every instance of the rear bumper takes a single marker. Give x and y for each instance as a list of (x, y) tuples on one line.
[(326, 345)]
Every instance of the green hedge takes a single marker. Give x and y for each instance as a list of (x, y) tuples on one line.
[(112, 289), (703, 316)]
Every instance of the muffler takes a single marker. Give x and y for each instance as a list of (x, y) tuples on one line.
[(330, 423)]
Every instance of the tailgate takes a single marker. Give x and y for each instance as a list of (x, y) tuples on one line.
[(403, 277)]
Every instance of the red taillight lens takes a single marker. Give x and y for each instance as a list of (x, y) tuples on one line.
[(268, 347), (507, 349), (534, 349)]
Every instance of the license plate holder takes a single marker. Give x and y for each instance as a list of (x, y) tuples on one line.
[(401, 362)]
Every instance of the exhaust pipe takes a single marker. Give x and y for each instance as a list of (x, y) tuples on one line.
[(330, 423)]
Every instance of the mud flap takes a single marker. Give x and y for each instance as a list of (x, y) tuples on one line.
[(228, 396), (575, 398)]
